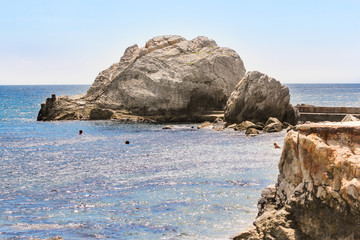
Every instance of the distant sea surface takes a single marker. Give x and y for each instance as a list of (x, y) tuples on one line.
[(181, 183)]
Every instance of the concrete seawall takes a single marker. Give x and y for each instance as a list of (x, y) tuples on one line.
[(320, 113)]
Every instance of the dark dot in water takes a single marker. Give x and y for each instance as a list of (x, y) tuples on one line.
[(127, 142)]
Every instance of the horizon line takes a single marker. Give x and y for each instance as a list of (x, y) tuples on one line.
[(83, 84)]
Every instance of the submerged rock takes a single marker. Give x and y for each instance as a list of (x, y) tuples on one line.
[(170, 79), (317, 192), (256, 98)]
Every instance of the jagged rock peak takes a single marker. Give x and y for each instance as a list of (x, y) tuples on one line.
[(162, 41), (129, 53)]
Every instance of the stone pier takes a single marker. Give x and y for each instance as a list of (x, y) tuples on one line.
[(320, 114)]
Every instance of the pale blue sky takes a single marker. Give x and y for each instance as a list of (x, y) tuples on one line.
[(70, 42)]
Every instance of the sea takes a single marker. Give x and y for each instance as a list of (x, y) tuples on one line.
[(179, 183)]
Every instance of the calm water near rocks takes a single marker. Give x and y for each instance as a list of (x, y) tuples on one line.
[(181, 183)]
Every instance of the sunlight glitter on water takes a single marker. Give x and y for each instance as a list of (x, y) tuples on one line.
[(178, 184)]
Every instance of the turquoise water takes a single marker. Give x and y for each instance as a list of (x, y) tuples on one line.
[(181, 183)]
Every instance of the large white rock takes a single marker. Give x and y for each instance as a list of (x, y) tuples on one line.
[(169, 77)]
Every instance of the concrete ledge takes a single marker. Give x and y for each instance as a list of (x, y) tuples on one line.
[(320, 109), (321, 114), (322, 117)]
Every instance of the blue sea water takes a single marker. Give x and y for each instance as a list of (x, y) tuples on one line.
[(181, 183), (336, 95)]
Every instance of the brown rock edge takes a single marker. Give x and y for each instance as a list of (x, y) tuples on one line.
[(317, 192)]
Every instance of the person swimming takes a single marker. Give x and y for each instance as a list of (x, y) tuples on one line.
[(80, 132)]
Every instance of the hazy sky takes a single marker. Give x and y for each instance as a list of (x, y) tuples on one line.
[(70, 42)]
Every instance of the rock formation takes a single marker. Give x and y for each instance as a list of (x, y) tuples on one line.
[(317, 195), (168, 79), (258, 97)]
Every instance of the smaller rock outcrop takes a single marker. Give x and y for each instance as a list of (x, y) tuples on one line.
[(317, 195), (217, 125), (258, 97), (244, 125), (251, 131), (273, 125)]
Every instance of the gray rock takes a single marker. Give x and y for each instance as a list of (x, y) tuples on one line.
[(256, 98), (170, 79), (219, 120), (292, 115), (244, 125), (231, 126), (251, 131), (273, 120), (176, 76), (273, 125), (260, 125)]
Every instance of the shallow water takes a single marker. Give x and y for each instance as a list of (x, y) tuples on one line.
[(181, 183)]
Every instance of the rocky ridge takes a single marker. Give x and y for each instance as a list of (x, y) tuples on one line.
[(169, 79), (250, 128), (317, 195)]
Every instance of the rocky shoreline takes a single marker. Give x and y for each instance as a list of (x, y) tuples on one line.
[(172, 79), (317, 192)]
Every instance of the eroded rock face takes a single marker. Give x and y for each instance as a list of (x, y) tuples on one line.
[(317, 193), (169, 77), (256, 98)]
